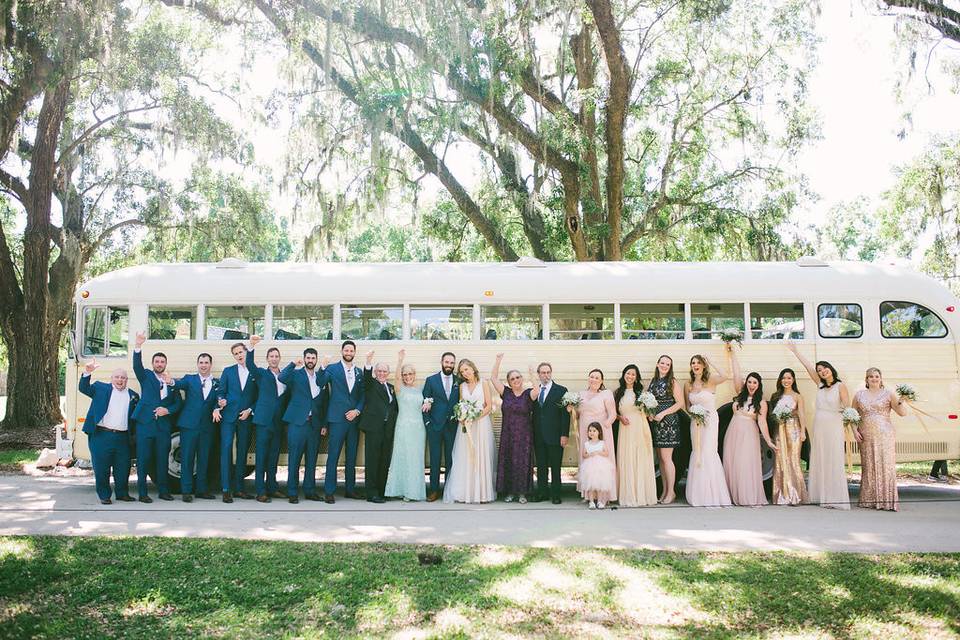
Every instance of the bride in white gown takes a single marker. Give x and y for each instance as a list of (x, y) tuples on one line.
[(471, 477)]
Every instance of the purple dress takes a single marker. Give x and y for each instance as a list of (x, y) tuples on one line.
[(515, 461)]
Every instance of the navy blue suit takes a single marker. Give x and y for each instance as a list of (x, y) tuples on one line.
[(342, 399), (441, 425), (196, 431), (304, 415), (109, 450), (238, 400), (153, 433), (268, 421)]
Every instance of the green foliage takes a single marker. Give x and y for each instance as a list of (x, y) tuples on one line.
[(162, 587)]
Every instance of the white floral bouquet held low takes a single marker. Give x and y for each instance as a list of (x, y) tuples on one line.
[(467, 411), (648, 402), (699, 414), (571, 399), (850, 417), (782, 412), (907, 392), (732, 335)]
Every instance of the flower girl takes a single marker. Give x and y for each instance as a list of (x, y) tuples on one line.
[(598, 475)]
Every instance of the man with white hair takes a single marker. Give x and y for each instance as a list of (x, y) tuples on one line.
[(107, 426), (378, 421)]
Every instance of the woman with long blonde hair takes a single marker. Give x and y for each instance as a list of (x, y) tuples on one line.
[(471, 478), (878, 443)]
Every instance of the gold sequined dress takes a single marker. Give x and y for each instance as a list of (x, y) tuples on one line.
[(789, 487), (878, 451)]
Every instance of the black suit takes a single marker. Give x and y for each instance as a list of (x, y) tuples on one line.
[(378, 421), (551, 421)]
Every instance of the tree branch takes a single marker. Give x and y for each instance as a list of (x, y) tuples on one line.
[(99, 123), (14, 185), (933, 13)]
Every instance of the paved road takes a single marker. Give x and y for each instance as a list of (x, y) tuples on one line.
[(928, 521)]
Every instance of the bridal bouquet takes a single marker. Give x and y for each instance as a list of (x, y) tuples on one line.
[(732, 335), (907, 392), (571, 399), (850, 417), (782, 412), (648, 402), (699, 414), (467, 411)]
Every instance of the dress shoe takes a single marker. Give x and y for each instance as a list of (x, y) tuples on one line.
[(263, 498), (329, 499), (165, 496), (353, 495), (145, 499), (187, 497), (106, 501), (377, 500), (206, 496), (557, 501), (243, 495), (227, 497), (293, 500), (537, 498), (276, 494), (126, 499), (433, 496), (313, 497)]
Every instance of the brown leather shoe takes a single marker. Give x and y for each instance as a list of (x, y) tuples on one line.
[(263, 498), (433, 496), (329, 499)]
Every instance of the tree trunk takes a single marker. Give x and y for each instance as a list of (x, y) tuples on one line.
[(33, 394)]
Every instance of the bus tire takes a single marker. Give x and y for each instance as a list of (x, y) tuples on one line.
[(174, 461)]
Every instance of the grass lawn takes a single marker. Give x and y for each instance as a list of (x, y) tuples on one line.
[(152, 588), (14, 459)]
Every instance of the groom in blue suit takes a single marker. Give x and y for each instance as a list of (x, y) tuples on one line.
[(107, 427), (303, 416), (196, 426), (236, 395), (272, 395), (441, 393), (346, 402)]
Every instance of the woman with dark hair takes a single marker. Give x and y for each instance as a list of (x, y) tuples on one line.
[(515, 458), (597, 405), (828, 478), (741, 445), (638, 482), (878, 446), (789, 487), (706, 483), (666, 424)]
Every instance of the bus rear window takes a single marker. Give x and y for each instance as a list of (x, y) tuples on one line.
[(909, 320), (840, 320)]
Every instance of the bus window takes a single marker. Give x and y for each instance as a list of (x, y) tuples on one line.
[(371, 322), (581, 322), (302, 322), (708, 321), (840, 320), (234, 323), (441, 322), (652, 321), (511, 322), (106, 331), (172, 323), (776, 320), (909, 320)]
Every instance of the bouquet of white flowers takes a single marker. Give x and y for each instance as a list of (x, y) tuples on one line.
[(699, 414), (907, 392), (782, 412), (732, 335), (648, 402), (571, 399), (467, 411), (851, 417)]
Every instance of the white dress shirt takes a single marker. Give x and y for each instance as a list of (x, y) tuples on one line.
[(117, 411), (312, 379), (163, 387), (206, 384), (244, 374), (350, 373), (280, 386)]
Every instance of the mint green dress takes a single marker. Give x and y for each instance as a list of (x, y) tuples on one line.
[(405, 478)]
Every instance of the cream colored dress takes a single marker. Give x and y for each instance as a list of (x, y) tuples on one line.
[(474, 458), (828, 478), (635, 469)]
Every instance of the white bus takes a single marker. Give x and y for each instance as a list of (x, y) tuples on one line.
[(575, 315)]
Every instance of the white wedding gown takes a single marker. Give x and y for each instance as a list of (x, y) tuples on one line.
[(474, 458)]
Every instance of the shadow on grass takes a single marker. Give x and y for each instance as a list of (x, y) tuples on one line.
[(153, 587)]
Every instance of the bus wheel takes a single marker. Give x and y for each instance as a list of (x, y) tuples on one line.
[(173, 463), (766, 467)]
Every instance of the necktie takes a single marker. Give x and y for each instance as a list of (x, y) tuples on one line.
[(543, 393), (206, 387), (386, 388), (446, 386)]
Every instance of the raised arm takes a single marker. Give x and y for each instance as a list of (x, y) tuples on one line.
[(398, 376), (811, 370), (495, 374), (138, 370), (535, 389), (86, 388), (735, 366), (719, 376), (287, 373)]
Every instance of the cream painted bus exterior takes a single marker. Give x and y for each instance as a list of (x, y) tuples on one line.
[(575, 315)]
